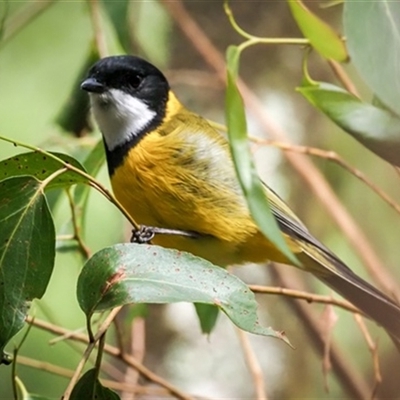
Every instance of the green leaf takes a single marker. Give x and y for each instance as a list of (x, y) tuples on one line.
[(376, 128), (372, 30), (151, 27), (208, 316), (245, 170), (133, 273), (89, 388), (27, 251), (321, 36), (117, 12), (42, 166), (74, 116)]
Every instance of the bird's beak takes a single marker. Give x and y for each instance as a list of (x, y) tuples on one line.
[(92, 85)]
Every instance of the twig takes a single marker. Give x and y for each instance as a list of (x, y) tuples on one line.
[(98, 33), (329, 320), (85, 251), (373, 348), (138, 347), (253, 364), (114, 351), (343, 77), (349, 377), (304, 166), (332, 156), (309, 297), (68, 373), (103, 328)]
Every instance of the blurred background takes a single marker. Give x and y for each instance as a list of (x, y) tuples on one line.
[(43, 50)]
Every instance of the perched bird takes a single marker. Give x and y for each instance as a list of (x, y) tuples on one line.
[(171, 169)]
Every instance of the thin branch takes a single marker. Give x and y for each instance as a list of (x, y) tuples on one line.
[(349, 376), (68, 373), (373, 348), (334, 157), (309, 297), (85, 251), (101, 331), (253, 364), (343, 78), (98, 32), (113, 351)]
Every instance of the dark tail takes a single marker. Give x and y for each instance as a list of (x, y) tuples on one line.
[(372, 302)]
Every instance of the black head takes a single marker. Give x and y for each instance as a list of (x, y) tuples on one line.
[(131, 75)]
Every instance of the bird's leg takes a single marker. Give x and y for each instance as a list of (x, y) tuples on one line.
[(146, 233)]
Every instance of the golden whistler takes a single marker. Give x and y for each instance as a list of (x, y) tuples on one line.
[(170, 169)]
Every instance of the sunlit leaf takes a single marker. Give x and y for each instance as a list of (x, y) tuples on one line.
[(27, 241), (246, 172), (372, 30), (41, 166), (89, 388), (376, 128), (133, 273), (321, 36)]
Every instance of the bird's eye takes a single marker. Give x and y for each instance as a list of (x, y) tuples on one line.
[(135, 81)]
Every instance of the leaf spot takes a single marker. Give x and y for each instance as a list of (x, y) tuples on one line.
[(112, 280)]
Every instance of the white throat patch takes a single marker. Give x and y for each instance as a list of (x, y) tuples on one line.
[(120, 116)]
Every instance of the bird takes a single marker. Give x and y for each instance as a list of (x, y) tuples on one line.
[(171, 169)]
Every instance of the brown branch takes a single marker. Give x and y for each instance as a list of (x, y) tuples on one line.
[(334, 157), (373, 348), (113, 351), (343, 78), (253, 364), (349, 377), (309, 297), (99, 334), (99, 37), (304, 166), (68, 373)]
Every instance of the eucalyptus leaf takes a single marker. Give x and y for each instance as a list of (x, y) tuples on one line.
[(321, 36), (376, 128), (135, 273), (41, 166), (244, 165), (89, 388), (373, 39), (27, 251)]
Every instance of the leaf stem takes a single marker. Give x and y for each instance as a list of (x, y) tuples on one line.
[(103, 328), (92, 181)]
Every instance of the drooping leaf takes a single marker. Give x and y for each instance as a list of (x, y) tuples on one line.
[(321, 36), (89, 388), (372, 30), (74, 116), (42, 166), (133, 273), (118, 14), (376, 128), (208, 316), (27, 251), (246, 172)]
